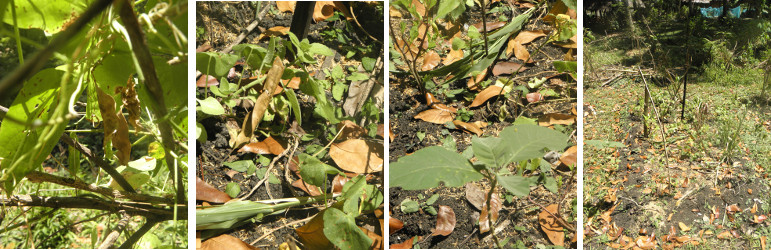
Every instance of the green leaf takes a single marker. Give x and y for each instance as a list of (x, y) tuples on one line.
[(524, 142), (572, 4), (214, 63), (313, 171), (292, 97), (489, 152), (337, 72), (254, 55), (517, 185), (428, 167), (473, 32), (342, 231), (368, 63), (338, 90), (232, 189), (143, 164), (320, 49), (566, 66), (211, 106), (352, 191), (225, 216), (409, 206), (432, 199), (50, 15), (551, 184), (200, 132), (356, 76), (240, 166), (458, 43), (445, 7)]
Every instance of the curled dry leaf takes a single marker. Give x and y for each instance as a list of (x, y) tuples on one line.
[(758, 218), (407, 244), (732, 209), (312, 233), (286, 6), (475, 195), (646, 242), (430, 60), (534, 97), (391, 134), (470, 127), (358, 156), (495, 204), (473, 82), (569, 156), (254, 117), (115, 127), (550, 226), (323, 10), (438, 116), (349, 130), (394, 225), (431, 100), (338, 182), (445, 221), (507, 68), (393, 12), (206, 81), (274, 31), (528, 36), (226, 241), (269, 146), (490, 26), (131, 102), (205, 192), (485, 95), (293, 83), (555, 118)]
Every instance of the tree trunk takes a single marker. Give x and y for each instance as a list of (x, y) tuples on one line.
[(629, 9)]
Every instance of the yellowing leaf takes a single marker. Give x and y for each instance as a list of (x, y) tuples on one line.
[(226, 241), (528, 36), (358, 156)]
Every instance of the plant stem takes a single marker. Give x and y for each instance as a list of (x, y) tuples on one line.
[(484, 23), (16, 32), (493, 182)]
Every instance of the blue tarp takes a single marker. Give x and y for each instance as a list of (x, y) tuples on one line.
[(714, 12)]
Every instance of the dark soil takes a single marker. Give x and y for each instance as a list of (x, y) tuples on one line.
[(518, 221)]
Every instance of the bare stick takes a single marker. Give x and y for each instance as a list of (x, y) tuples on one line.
[(249, 29), (267, 174), (37, 176), (113, 236), (270, 231)]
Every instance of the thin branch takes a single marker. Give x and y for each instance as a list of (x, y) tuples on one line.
[(101, 163), (132, 208), (37, 176), (113, 236), (129, 243), (142, 54)]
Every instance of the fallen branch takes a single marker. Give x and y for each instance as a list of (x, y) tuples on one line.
[(131, 208)]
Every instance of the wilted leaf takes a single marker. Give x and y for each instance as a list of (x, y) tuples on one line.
[(470, 127), (550, 226), (534, 97), (486, 94), (394, 225), (358, 156), (205, 192), (569, 156), (115, 127), (445, 221), (407, 244), (226, 241), (307, 188), (274, 31), (495, 204), (732, 209), (131, 102), (312, 233), (507, 68), (265, 147), (437, 116), (254, 117), (556, 118), (525, 37), (475, 195), (286, 6), (430, 60), (323, 10), (206, 81)]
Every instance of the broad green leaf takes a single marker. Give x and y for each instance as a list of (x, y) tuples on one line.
[(50, 15), (430, 166), (225, 216), (211, 106), (292, 97), (432, 199), (566, 66), (342, 231), (232, 189), (572, 4), (445, 7), (356, 76), (458, 43), (338, 90), (200, 132), (368, 63), (517, 185), (409, 206), (524, 142), (313, 171), (214, 63), (149, 241), (255, 55), (352, 191), (240, 166), (373, 197), (320, 49), (489, 152), (550, 183)]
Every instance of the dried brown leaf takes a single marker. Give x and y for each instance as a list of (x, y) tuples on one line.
[(453, 56), (115, 127), (338, 182), (206, 81), (286, 6), (407, 244), (266, 147), (507, 68), (520, 51), (438, 116), (205, 192), (475, 195), (350, 130), (226, 241), (358, 156), (323, 10), (534, 97), (430, 60), (131, 102), (495, 204), (274, 31), (470, 127), (485, 95), (528, 36), (490, 26), (254, 117), (569, 157), (556, 118), (445, 221), (473, 82), (394, 225), (312, 233), (550, 226), (307, 188), (377, 240)]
